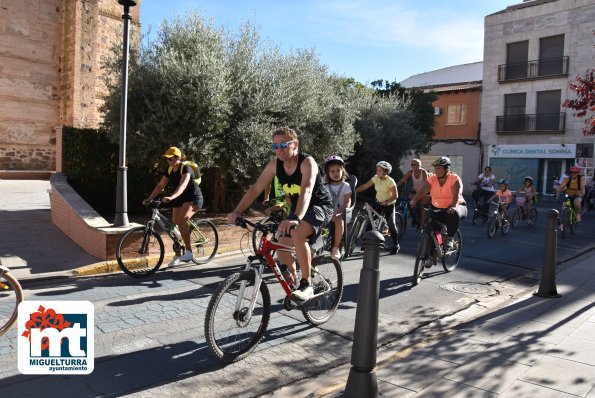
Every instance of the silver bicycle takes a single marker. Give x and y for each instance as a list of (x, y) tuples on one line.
[(371, 219), (140, 250)]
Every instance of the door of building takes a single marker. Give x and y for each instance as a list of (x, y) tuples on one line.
[(553, 170)]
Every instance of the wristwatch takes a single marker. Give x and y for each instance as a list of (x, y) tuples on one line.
[(294, 216)]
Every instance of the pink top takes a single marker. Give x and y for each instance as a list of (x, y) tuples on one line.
[(442, 195), (504, 196)]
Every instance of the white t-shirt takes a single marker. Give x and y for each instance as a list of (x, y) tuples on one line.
[(487, 183), (338, 195)]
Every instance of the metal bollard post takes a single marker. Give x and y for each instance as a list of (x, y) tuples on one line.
[(547, 287), (361, 382)]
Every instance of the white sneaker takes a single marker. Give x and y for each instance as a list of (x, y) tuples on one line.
[(335, 253), (177, 260), (174, 262), (304, 292), (187, 256)]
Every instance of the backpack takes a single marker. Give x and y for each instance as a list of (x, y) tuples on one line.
[(193, 166)]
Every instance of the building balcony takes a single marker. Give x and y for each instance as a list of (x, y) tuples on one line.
[(539, 69), (537, 123)]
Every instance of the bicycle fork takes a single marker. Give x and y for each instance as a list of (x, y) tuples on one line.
[(243, 314)]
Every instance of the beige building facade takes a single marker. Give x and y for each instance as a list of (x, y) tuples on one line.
[(531, 52), (51, 52)]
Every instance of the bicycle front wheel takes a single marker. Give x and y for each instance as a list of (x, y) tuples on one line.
[(204, 240), (564, 221), (140, 252), (424, 248), (492, 226), (355, 232), (504, 225), (327, 281), (401, 226), (232, 330), (451, 259), (516, 217), (11, 294)]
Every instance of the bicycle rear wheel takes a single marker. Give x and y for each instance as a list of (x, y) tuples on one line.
[(401, 226), (532, 219), (564, 221), (204, 240), (140, 252), (232, 333), (327, 278), (451, 259), (424, 248), (11, 294)]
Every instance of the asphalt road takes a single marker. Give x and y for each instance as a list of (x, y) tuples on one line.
[(150, 333)]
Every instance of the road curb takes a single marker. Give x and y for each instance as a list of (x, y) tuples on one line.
[(111, 266)]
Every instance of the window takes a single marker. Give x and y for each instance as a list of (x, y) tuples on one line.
[(517, 56), (456, 114), (551, 51), (548, 110)]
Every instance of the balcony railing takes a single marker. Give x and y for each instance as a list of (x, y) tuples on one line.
[(541, 122), (533, 69)]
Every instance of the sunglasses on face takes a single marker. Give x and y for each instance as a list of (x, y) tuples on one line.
[(282, 145)]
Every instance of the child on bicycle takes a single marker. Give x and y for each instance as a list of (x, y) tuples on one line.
[(335, 176), (386, 195), (530, 193), (504, 196)]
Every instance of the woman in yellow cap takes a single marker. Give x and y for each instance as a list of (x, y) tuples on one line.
[(186, 198)]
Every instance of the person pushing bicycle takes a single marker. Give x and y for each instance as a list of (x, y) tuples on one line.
[(446, 190), (386, 195), (311, 203)]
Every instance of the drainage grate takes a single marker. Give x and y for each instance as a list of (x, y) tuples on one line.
[(470, 289)]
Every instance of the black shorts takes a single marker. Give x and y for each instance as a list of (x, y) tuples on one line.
[(318, 217), (195, 198)]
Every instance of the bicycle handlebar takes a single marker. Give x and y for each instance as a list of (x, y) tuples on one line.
[(270, 227)]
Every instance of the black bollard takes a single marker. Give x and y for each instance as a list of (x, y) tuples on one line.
[(547, 287), (361, 382)]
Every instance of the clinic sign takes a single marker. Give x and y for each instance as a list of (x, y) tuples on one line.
[(541, 151)]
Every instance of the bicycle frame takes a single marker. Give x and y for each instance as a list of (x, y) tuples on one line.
[(373, 217), (265, 251), (436, 227)]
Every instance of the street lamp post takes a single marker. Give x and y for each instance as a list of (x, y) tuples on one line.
[(121, 218)]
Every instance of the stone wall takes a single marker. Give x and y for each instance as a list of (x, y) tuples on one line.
[(51, 53)]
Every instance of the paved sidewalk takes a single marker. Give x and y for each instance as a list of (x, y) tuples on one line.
[(534, 347), (31, 246)]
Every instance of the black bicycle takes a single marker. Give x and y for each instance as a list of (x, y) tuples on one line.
[(498, 220), (432, 246)]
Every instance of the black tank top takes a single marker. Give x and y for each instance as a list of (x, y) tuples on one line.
[(291, 186)]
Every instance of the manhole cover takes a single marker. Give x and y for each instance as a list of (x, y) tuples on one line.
[(470, 289)]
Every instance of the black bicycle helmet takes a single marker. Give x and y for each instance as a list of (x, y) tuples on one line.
[(443, 161), (385, 165)]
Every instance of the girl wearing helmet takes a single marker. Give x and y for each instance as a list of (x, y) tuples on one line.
[(386, 195), (575, 189), (446, 192), (505, 195), (335, 176), (529, 191)]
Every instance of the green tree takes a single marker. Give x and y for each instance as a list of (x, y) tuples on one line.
[(219, 96)]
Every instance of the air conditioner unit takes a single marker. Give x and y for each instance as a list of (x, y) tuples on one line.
[(437, 111)]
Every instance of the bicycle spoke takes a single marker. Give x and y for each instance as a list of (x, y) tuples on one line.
[(327, 280), (204, 240), (11, 295)]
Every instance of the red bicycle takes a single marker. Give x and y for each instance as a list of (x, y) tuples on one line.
[(238, 313)]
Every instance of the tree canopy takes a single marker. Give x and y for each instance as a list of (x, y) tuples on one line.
[(218, 96)]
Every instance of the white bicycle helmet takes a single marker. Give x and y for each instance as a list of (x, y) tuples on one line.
[(443, 161), (333, 159), (385, 165)]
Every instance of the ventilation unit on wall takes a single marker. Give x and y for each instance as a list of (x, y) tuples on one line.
[(437, 111)]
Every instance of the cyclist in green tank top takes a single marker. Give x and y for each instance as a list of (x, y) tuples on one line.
[(311, 203)]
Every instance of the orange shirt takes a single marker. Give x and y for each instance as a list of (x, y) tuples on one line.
[(504, 196), (442, 195)]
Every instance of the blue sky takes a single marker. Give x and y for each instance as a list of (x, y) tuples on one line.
[(364, 39)]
